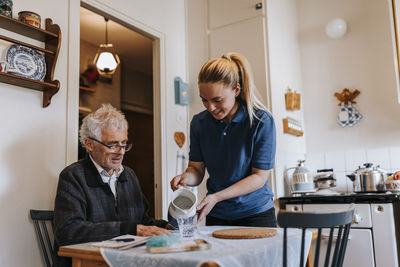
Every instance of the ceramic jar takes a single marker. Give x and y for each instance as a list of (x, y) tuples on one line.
[(30, 18), (6, 8)]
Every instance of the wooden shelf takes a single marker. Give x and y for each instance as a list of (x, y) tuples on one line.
[(8, 39), (30, 31), (49, 88), (52, 39), (291, 126)]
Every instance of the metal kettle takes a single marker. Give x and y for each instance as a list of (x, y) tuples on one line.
[(368, 179), (302, 178)]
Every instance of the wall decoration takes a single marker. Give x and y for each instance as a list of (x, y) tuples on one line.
[(181, 92), (348, 115), (292, 100), (292, 126), (6, 7)]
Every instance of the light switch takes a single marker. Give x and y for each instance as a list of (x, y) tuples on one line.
[(181, 92)]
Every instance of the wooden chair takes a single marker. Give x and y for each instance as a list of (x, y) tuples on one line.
[(43, 220), (309, 220)]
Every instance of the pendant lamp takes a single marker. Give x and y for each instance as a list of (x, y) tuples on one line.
[(106, 60)]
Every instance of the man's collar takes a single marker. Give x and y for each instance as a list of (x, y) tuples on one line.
[(102, 171), (93, 177)]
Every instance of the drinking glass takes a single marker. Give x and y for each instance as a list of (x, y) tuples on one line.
[(187, 226)]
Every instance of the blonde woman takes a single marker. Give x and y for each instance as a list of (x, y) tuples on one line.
[(235, 140)]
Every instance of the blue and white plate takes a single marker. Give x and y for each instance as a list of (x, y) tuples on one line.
[(348, 116), (26, 62)]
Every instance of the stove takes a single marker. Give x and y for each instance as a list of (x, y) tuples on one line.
[(374, 236)]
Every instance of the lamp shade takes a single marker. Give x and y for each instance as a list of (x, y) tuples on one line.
[(336, 28), (106, 59)]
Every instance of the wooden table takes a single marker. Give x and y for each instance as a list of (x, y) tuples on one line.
[(255, 252), (85, 255)]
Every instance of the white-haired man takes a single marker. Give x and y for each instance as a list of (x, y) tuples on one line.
[(97, 197)]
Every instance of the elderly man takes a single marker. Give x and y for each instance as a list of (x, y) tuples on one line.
[(97, 197)]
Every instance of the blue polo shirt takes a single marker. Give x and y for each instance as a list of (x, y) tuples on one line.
[(229, 151)]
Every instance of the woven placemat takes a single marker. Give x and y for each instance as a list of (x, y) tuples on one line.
[(244, 233)]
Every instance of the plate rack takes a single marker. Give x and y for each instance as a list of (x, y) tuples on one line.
[(51, 36)]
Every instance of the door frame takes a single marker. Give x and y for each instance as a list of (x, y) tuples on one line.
[(159, 89)]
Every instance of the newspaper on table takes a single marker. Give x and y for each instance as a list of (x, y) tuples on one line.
[(122, 242)]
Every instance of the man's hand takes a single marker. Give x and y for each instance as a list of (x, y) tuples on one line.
[(144, 230), (170, 227)]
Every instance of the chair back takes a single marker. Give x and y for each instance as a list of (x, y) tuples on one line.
[(341, 220), (44, 223)]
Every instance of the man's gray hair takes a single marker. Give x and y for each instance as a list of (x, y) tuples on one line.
[(105, 117)]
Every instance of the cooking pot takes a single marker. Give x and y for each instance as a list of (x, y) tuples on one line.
[(368, 179), (325, 179)]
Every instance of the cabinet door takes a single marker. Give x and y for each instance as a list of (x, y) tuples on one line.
[(359, 250), (224, 12), (384, 234), (248, 39)]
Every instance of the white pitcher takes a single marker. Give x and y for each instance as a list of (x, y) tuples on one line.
[(183, 204)]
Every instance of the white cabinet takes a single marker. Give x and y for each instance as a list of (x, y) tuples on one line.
[(225, 12), (385, 251), (248, 39)]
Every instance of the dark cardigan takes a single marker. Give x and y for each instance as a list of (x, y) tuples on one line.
[(86, 210)]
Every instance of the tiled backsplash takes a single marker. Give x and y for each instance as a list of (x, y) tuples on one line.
[(346, 162), (342, 162)]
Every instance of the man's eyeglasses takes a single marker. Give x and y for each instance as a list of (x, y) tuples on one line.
[(114, 147)]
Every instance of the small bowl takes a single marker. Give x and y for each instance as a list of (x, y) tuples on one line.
[(392, 185), (30, 18)]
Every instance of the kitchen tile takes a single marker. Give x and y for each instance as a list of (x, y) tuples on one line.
[(335, 160), (395, 157), (355, 158), (341, 182), (379, 156), (315, 161)]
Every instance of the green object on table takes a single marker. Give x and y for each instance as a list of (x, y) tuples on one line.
[(162, 241)]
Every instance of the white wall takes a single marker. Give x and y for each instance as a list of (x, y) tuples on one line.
[(37, 143), (363, 60), (284, 65), (32, 149)]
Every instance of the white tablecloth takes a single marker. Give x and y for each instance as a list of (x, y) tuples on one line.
[(225, 252)]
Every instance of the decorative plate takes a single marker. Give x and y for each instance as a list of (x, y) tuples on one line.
[(26, 62), (348, 116)]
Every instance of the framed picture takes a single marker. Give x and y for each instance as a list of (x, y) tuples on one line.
[(394, 6)]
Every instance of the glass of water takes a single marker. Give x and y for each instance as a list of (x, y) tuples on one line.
[(187, 226)]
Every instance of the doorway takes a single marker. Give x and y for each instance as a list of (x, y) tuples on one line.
[(130, 89)]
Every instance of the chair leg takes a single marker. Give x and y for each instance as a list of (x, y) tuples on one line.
[(344, 244), (337, 247), (46, 258), (317, 247), (284, 247), (328, 249), (302, 247)]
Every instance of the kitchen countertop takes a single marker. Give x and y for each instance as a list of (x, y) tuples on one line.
[(388, 197)]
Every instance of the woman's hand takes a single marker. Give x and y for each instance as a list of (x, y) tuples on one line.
[(145, 230), (206, 205), (177, 181)]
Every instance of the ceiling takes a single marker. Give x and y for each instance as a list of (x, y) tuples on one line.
[(134, 49)]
